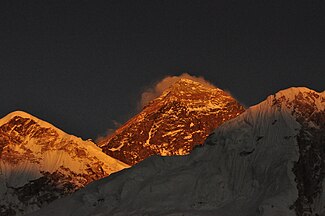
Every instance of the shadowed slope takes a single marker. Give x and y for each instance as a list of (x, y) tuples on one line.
[(251, 165)]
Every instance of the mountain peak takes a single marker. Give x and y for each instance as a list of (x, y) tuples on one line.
[(190, 84), (172, 124), (190, 92), (186, 81), (292, 92), (19, 115), (41, 163), (295, 97)]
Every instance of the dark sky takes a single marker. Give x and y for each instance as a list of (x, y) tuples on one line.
[(81, 65)]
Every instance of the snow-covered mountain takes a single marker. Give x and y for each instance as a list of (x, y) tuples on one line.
[(268, 161), (182, 117), (40, 163)]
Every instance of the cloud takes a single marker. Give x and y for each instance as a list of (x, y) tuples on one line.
[(150, 94), (109, 132), (157, 89)]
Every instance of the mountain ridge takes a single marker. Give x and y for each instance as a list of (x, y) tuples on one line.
[(251, 165), (40, 163)]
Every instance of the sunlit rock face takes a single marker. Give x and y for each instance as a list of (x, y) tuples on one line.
[(268, 161), (182, 117), (40, 163)]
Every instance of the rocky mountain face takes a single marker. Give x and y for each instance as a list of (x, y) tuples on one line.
[(308, 109), (40, 163), (182, 117), (268, 161)]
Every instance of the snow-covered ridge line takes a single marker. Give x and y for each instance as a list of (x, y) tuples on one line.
[(40, 163), (291, 93), (45, 124), (39, 121), (248, 167)]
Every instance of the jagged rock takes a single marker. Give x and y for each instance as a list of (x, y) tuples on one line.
[(182, 117)]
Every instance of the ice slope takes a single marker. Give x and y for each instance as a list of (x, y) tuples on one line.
[(247, 167), (39, 163)]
